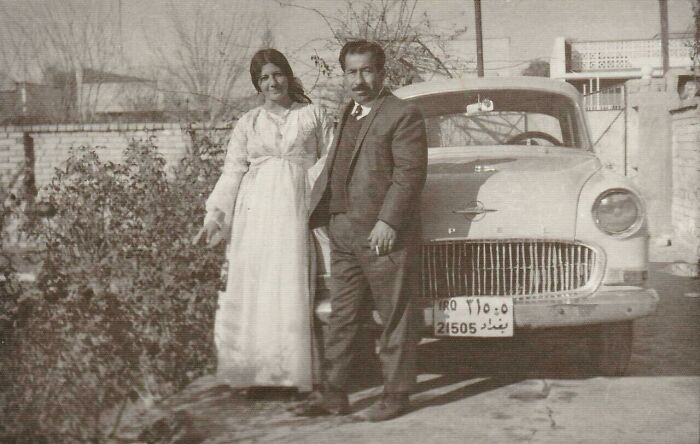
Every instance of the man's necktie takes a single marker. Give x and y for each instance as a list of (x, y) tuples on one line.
[(357, 112)]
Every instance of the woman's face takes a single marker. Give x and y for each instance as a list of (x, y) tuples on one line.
[(273, 84)]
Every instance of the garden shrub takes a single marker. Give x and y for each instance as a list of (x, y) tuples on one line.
[(123, 303)]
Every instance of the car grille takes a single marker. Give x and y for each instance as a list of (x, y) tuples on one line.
[(525, 269)]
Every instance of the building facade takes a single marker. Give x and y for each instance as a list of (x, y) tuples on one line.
[(599, 69)]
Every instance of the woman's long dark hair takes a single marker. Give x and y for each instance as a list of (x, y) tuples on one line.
[(269, 55)]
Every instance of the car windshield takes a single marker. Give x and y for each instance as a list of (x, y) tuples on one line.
[(501, 117)]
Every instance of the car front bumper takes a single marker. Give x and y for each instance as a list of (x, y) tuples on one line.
[(608, 304)]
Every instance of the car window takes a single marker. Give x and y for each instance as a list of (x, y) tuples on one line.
[(501, 117)]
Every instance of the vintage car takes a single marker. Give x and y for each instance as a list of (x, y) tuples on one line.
[(523, 227)]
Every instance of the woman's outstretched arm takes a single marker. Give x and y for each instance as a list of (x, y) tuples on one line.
[(222, 199)]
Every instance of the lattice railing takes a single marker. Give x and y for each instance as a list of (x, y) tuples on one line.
[(625, 54), (605, 99)]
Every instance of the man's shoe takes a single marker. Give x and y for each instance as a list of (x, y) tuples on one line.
[(314, 396), (331, 403), (390, 406)]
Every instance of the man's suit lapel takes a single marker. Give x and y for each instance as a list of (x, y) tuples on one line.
[(336, 136), (366, 125)]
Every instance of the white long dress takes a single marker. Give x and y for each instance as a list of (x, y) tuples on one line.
[(263, 325)]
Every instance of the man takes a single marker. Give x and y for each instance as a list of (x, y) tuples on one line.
[(369, 196)]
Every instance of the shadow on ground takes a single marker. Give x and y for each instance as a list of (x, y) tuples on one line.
[(208, 412), (450, 370)]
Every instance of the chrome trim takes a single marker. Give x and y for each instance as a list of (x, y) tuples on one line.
[(530, 270), (608, 305), (473, 210), (484, 169), (470, 211)]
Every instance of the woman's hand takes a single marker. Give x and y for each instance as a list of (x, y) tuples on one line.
[(212, 233)]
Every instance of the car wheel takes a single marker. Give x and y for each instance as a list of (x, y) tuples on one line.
[(610, 348)]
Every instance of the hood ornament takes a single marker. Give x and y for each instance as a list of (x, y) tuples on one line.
[(474, 211)]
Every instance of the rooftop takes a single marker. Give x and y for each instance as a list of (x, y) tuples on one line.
[(485, 83)]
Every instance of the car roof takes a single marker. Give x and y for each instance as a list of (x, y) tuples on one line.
[(543, 84)]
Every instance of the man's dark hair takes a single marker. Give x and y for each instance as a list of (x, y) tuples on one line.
[(362, 47)]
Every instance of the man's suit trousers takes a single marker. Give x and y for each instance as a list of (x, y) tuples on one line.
[(393, 280)]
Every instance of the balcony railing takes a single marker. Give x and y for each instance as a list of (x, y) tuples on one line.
[(626, 54), (605, 99)]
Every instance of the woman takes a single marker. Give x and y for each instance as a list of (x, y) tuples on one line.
[(263, 325)]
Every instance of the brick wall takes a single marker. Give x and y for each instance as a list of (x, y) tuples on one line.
[(53, 142), (11, 156), (685, 129)]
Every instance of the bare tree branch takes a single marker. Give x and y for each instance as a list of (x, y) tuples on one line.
[(61, 36), (212, 51), (410, 42)]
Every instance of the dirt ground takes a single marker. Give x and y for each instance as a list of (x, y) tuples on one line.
[(528, 389)]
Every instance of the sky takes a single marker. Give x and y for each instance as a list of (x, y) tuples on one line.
[(531, 25)]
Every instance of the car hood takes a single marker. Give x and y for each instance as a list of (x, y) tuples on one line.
[(512, 192)]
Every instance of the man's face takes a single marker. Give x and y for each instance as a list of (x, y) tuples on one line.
[(362, 80)]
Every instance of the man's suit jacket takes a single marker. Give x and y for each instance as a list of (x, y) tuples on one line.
[(387, 170)]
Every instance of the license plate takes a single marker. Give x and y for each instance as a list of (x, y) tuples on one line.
[(473, 316)]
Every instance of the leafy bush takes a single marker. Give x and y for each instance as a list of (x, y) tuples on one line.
[(123, 304)]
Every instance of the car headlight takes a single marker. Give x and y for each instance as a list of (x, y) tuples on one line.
[(618, 212)]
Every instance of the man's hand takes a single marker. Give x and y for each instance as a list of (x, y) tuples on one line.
[(382, 238), (212, 233)]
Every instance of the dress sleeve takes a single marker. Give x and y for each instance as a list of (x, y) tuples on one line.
[(324, 139), (221, 201)]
